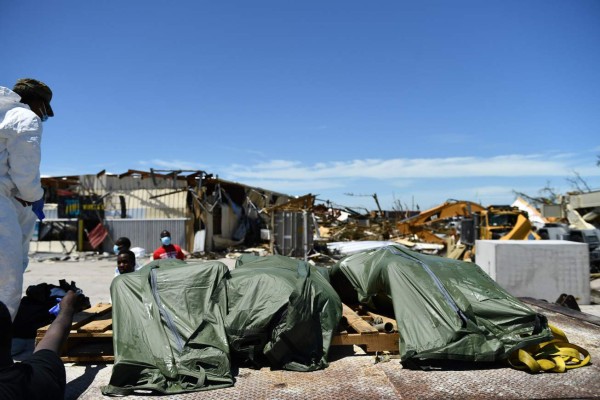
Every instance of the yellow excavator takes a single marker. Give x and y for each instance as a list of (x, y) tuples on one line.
[(496, 223), (475, 221), (436, 220)]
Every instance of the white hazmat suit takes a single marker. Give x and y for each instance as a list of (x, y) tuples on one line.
[(20, 155)]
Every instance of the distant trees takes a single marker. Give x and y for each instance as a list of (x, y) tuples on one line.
[(549, 195)]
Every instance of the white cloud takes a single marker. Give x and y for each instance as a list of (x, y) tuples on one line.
[(294, 186), (275, 164), (405, 168), (172, 164)]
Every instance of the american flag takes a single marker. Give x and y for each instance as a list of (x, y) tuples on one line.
[(97, 235)]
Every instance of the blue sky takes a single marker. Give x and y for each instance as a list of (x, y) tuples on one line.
[(416, 101)]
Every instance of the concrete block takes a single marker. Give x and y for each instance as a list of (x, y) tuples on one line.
[(542, 269)]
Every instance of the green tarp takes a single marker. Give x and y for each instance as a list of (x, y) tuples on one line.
[(168, 331), (282, 310), (445, 309), (176, 324)]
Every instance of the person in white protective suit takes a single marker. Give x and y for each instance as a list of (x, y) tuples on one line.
[(22, 111)]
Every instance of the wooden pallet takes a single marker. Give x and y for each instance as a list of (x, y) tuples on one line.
[(361, 332), (90, 339)]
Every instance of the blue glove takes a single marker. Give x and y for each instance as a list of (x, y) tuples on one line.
[(55, 310), (38, 208)]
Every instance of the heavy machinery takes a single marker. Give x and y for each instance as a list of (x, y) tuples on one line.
[(496, 223), (438, 219), (442, 223)]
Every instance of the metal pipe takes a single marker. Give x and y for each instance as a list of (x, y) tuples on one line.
[(387, 327)]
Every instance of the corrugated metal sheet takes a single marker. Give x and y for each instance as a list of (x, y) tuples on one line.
[(144, 198), (145, 233), (140, 205), (108, 183)]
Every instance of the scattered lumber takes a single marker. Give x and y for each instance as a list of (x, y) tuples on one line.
[(90, 339), (361, 331)]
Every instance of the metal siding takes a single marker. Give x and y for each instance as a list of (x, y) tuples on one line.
[(140, 205), (137, 193), (145, 233)]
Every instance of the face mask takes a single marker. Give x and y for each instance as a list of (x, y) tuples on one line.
[(166, 240), (116, 249)]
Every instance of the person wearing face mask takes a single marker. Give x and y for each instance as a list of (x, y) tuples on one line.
[(167, 250), (122, 243), (22, 111)]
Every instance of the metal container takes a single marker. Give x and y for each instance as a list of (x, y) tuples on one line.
[(293, 233)]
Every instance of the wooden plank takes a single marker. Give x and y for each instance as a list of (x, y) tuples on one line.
[(367, 336), (83, 317), (86, 335), (371, 343), (100, 324), (90, 338), (88, 359), (356, 322)]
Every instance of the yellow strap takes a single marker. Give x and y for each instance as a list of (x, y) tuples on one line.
[(556, 355), (558, 333)]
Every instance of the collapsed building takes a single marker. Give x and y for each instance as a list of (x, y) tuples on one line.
[(202, 212), (206, 214)]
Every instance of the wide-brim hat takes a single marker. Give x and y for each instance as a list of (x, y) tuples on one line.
[(28, 87)]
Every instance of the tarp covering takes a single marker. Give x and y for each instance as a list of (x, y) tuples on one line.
[(174, 323), (168, 331), (282, 312), (445, 309)]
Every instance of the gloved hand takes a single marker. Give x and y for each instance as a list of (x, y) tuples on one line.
[(38, 208)]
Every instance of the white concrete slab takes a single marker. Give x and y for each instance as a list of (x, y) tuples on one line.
[(542, 269)]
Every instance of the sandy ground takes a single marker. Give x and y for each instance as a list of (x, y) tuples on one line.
[(93, 276)]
